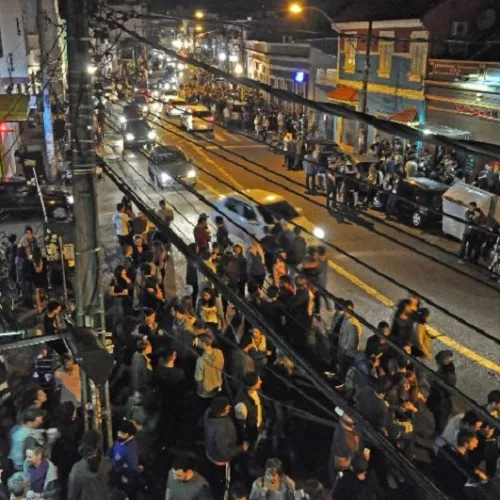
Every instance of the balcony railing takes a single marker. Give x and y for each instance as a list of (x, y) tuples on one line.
[(482, 73)]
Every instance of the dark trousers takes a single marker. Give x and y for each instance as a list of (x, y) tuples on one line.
[(125, 240), (311, 182)]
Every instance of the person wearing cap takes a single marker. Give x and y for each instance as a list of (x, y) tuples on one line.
[(201, 233), (346, 445), (185, 483), (248, 409), (275, 484), (90, 477), (358, 483), (124, 455), (221, 441)]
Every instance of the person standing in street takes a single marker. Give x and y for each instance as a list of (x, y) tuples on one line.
[(185, 483), (121, 221), (209, 368), (310, 169)]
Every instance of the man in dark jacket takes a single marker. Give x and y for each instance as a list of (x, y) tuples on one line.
[(222, 235), (298, 248), (221, 442), (90, 478)]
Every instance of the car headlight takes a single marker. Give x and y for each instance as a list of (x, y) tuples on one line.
[(130, 137), (123, 119), (151, 134), (165, 177), (71, 199), (319, 233), (145, 107), (191, 174)]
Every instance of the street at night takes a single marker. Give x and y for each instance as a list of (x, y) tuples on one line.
[(249, 251)]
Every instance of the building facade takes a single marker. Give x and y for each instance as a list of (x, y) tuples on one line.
[(301, 68), (404, 38)]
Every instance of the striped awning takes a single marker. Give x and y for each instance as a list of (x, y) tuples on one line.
[(408, 115), (14, 108)]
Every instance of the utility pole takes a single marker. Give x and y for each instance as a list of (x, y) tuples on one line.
[(226, 50), (48, 54), (363, 129), (88, 292), (243, 51)]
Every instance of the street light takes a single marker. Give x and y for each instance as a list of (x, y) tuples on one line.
[(199, 14), (198, 27), (296, 8), (238, 69), (222, 56)]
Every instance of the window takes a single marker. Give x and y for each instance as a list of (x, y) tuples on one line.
[(249, 213), (418, 56), (232, 204), (459, 28), (350, 47), (385, 51)]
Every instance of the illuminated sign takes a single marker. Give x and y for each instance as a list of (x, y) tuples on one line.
[(481, 112), (300, 77)]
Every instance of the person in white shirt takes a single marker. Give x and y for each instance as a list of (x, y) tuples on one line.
[(121, 221)]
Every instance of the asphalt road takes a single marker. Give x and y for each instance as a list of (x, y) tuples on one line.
[(389, 261)]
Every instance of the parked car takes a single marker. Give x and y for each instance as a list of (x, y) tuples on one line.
[(168, 163), (261, 209), (20, 197), (138, 133), (198, 119), (413, 192), (176, 107)]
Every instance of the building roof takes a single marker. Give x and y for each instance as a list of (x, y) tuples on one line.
[(385, 10)]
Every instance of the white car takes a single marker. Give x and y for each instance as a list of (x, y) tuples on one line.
[(198, 119), (176, 107), (261, 209)]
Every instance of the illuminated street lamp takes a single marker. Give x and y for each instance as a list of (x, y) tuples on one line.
[(297, 8), (198, 28), (238, 69), (222, 56), (199, 14), (91, 69)]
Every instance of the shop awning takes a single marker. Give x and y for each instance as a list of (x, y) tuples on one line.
[(408, 115), (343, 94), (14, 108)]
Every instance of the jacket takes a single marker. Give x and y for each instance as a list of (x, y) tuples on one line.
[(298, 250), (255, 266), (201, 236), (247, 428), (83, 484), (208, 373), (51, 487), (349, 337), (309, 163), (260, 492), (221, 439)]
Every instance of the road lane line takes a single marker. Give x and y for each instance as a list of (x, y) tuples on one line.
[(230, 136), (436, 334), (208, 187)]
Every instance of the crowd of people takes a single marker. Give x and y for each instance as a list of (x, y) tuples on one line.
[(205, 404)]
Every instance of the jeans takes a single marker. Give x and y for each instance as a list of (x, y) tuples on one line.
[(311, 182)]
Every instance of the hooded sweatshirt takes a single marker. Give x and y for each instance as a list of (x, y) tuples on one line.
[(208, 373), (84, 484)]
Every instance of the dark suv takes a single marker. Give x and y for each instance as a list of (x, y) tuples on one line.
[(415, 197), (19, 197)]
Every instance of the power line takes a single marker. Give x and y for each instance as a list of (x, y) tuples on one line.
[(372, 217), (255, 318), (339, 304), (352, 257)]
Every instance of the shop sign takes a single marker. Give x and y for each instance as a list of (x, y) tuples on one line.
[(470, 110)]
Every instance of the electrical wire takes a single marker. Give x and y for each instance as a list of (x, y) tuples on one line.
[(338, 302), (369, 216), (255, 318), (354, 258)]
